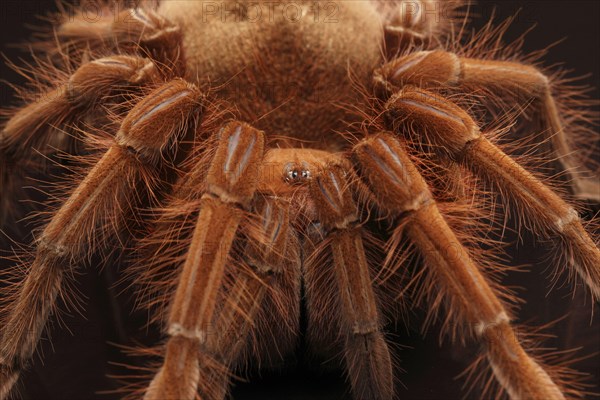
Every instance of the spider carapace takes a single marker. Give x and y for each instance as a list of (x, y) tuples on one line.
[(345, 157)]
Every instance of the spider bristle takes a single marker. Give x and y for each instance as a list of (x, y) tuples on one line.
[(21, 127), (265, 303), (53, 129), (21, 258), (161, 246), (257, 312), (568, 245), (321, 299), (557, 364), (577, 110), (144, 363), (235, 302), (470, 215), (327, 323), (55, 39), (155, 268)]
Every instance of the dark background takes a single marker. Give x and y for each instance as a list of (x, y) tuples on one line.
[(429, 371)]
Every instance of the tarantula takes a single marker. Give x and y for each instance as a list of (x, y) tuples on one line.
[(347, 154)]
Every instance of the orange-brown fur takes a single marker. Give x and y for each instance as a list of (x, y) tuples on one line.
[(342, 118), (276, 68)]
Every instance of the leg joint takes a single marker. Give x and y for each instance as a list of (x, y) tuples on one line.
[(483, 327), (570, 216), (178, 330)]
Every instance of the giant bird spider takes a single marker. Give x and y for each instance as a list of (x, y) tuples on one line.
[(253, 166)]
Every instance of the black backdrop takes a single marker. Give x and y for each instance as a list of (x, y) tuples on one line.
[(429, 370)]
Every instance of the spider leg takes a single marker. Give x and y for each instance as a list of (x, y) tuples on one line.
[(231, 183), (419, 23), (366, 353), (517, 82), (133, 30), (454, 133), (397, 187), (33, 126), (95, 211), (257, 297)]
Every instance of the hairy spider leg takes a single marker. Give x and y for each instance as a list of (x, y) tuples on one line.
[(396, 186), (512, 81), (453, 133), (35, 125), (366, 354), (98, 205), (231, 183)]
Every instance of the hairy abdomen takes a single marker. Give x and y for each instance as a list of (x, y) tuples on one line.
[(276, 61)]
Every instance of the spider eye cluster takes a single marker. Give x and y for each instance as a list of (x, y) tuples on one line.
[(296, 174)]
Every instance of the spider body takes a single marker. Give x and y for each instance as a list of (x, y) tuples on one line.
[(273, 63), (359, 169)]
